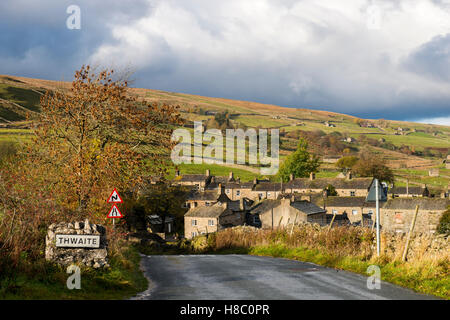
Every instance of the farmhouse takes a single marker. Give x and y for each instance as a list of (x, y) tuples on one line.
[(208, 219), (408, 192), (205, 198), (349, 186), (286, 211), (200, 181), (266, 190), (397, 214)]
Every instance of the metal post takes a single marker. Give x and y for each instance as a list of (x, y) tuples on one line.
[(378, 216)]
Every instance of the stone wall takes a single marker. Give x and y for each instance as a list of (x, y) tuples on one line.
[(421, 246), (90, 257)]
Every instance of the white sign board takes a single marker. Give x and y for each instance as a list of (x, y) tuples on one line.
[(77, 241)]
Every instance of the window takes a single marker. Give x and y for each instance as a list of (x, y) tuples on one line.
[(210, 222), (207, 203), (352, 193), (238, 192), (194, 234), (194, 222), (228, 191), (268, 194), (354, 212)]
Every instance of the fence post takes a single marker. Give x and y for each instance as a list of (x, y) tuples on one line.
[(332, 220), (411, 229)]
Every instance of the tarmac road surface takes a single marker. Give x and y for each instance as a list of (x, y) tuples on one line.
[(236, 277)]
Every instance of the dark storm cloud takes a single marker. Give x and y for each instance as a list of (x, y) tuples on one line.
[(309, 54)]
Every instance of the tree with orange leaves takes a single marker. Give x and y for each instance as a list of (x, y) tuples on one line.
[(98, 136)]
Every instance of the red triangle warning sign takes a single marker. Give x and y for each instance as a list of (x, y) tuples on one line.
[(114, 212), (114, 197)]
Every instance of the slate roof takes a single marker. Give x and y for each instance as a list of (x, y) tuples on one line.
[(264, 206), (304, 206), (345, 201), (411, 190), (268, 186), (213, 211), (322, 183), (410, 204), (209, 195), (307, 207)]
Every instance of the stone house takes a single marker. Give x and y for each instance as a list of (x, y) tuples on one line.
[(237, 190), (397, 214), (352, 207), (266, 190), (286, 211), (199, 181), (205, 198), (408, 192), (349, 186), (208, 219)]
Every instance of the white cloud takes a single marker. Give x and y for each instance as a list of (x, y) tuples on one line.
[(326, 54)]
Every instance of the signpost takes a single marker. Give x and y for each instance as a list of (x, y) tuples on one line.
[(77, 241), (377, 207), (114, 212)]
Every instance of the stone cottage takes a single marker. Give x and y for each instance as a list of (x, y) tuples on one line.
[(287, 211), (397, 214)]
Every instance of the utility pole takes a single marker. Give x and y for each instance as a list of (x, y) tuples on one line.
[(377, 206)]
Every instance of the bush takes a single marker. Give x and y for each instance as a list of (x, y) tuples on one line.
[(444, 223)]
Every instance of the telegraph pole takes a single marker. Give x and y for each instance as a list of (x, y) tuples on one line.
[(377, 207)]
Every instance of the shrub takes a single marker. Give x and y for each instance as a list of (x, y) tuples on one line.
[(444, 223)]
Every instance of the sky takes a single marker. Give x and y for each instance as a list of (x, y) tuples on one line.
[(368, 58)]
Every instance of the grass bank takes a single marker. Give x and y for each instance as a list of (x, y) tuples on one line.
[(46, 281)]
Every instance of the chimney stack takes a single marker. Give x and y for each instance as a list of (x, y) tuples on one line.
[(291, 177), (349, 175), (230, 177), (241, 204), (219, 189), (208, 173), (407, 187), (312, 176), (255, 181), (177, 173), (292, 198)]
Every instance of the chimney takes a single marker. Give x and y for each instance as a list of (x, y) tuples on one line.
[(177, 173), (292, 198), (230, 176), (241, 204), (291, 177), (238, 180), (407, 187), (208, 173), (312, 176), (219, 189), (255, 181), (349, 175)]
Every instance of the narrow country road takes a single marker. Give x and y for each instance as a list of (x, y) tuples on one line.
[(234, 277)]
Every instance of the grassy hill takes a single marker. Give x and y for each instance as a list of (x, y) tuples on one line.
[(409, 148)]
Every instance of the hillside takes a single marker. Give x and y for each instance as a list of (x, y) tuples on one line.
[(403, 145)]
